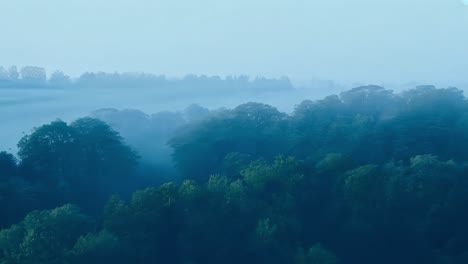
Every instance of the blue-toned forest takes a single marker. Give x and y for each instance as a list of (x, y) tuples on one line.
[(367, 176)]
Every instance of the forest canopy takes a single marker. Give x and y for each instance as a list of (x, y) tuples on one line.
[(366, 176)]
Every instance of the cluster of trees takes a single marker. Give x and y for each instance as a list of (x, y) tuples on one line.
[(369, 124), (28, 75), (32, 76), (368, 176), (82, 163)]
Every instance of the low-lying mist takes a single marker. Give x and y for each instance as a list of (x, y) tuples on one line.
[(29, 99), (147, 110)]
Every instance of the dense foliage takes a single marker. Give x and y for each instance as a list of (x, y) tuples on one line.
[(368, 176), (82, 163)]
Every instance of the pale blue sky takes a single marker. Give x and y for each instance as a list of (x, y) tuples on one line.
[(360, 40)]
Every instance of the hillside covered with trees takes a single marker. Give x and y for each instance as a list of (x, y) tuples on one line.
[(366, 176)]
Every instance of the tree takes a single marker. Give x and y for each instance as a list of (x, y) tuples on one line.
[(250, 128), (50, 151), (81, 161), (317, 254), (13, 73), (152, 220), (16, 195), (103, 148), (4, 74), (8, 165), (33, 74), (372, 100), (234, 163), (58, 78), (43, 236), (96, 248)]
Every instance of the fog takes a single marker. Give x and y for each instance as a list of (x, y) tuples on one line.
[(323, 47), (356, 41), (35, 99), (32, 105)]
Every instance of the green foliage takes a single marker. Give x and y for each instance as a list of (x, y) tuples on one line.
[(265, 232), (333, 163), (217, 184), (85, 157), (103, 147), (43, 236), (316, 255), (49, 150), (151, 220), (199, 150), (234, 163), (95, 248), (283, 173), (190, 192), (362, 186)]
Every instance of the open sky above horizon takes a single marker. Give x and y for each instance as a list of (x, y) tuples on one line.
[(344, 40)]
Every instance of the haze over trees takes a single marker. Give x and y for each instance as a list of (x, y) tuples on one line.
[(36, 77), (366, 176)]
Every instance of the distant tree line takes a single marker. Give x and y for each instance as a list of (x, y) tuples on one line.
[(36, 77), (367, 176)]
